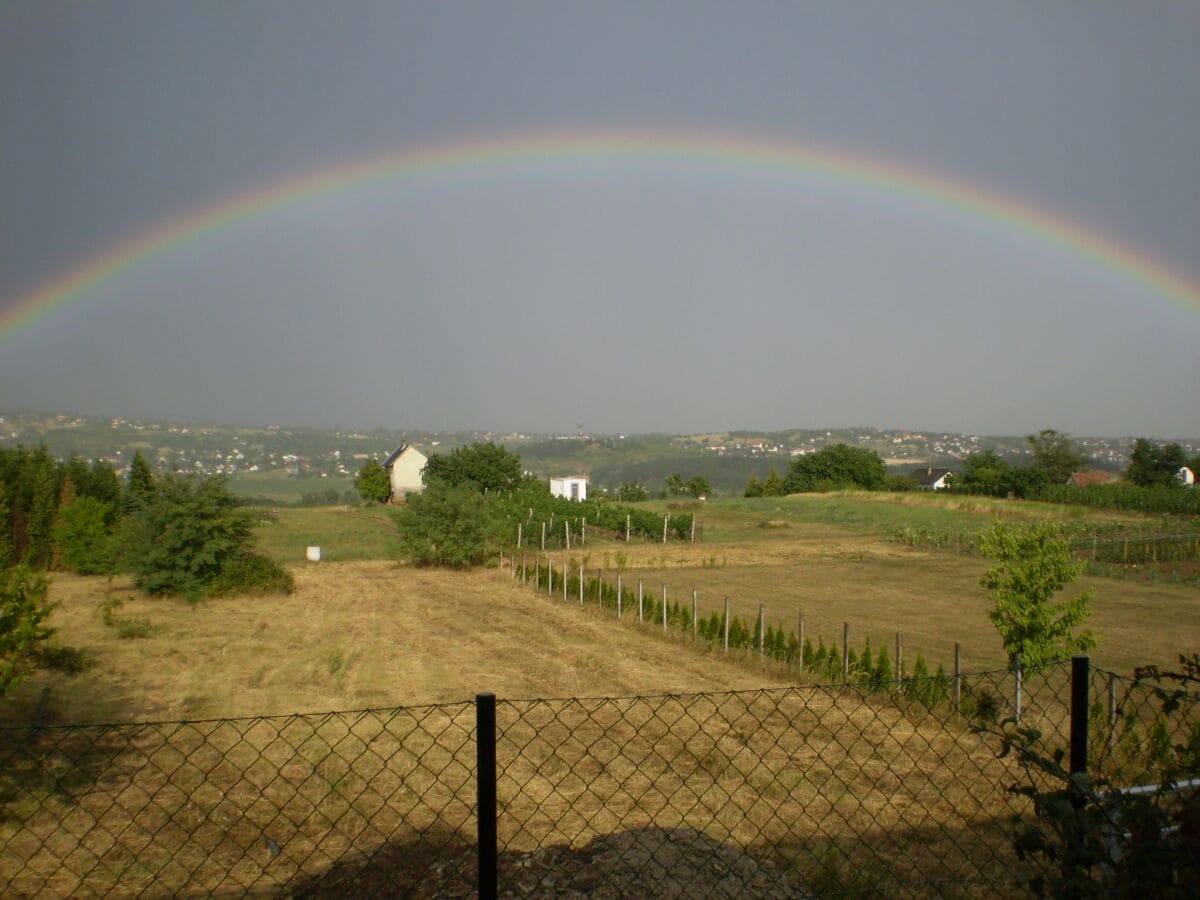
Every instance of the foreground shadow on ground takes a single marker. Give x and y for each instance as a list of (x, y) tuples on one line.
[(653, 861)]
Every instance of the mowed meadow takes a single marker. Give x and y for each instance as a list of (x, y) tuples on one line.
[(363, 629)]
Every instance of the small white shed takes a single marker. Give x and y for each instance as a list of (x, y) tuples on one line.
[(573, 487), (405, 467), (1186, 476)]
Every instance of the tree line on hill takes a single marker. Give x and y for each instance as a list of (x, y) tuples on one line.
[(1151, 480)]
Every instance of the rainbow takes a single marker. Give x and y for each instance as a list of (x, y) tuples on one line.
[(888, 176)]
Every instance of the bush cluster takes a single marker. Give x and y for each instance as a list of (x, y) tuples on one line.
[(175, 535)]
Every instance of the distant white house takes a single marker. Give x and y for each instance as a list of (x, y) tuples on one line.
[(404, 467), (931, 479), (1186, 476), (573, 487)]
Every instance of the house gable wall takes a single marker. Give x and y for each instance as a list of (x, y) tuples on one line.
[(406, 473)]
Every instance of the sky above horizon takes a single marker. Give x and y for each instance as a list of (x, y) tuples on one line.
[(659, 288)]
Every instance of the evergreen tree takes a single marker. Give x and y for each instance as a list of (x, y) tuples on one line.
[(817, 660), (773, 486), (102, 484), (917, 686), (43, 511), (23, 612), (883, 668), (139, 484), (66, 497), (753, 487)]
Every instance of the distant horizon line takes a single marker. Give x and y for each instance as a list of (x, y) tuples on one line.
[(497, 432)]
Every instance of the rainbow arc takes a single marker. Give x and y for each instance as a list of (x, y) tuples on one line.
[(77, 282)]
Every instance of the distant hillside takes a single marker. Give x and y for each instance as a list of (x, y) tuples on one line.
[(726, 459)]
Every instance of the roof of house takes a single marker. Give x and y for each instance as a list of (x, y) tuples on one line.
[(571, 477), (1084, 479), (387, 463), (930, 475)]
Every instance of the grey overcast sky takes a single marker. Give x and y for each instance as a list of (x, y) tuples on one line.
[(638, 292)]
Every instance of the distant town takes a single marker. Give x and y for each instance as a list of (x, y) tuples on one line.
[(238, 450)]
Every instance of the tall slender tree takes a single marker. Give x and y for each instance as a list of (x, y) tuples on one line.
[(1034, 564)]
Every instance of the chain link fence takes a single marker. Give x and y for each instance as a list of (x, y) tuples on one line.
[(805, 791), (245, 806)]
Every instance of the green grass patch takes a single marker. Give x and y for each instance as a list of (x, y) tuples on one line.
[(342, 533), (877, 514), (282, 488)]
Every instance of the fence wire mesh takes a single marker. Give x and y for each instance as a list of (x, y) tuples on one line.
[(806, 791), (296, 804)]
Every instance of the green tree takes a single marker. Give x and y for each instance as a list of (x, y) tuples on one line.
[(1055, 455), (447, 525), (754, 487), (773, 485), (1034, 564), (139, 483), (835, 468), (482, 466), (632, 492), (23, 612), (1152, 465), (373, 483), (698, 486), (675, 484), (187, 537), (101, 483), (985, 471), (43, 511), (83, 538)]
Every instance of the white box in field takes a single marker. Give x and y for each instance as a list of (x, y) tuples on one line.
[(314, 554)]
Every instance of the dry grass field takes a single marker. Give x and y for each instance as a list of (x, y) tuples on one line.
[(841, 790), (372, 632), (353, 635), (832, 559), (844, 791), (932, 597)]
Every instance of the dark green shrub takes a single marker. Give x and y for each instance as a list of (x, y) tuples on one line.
[(184, 537), (448, 526), (252, 573), (84, 542)]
